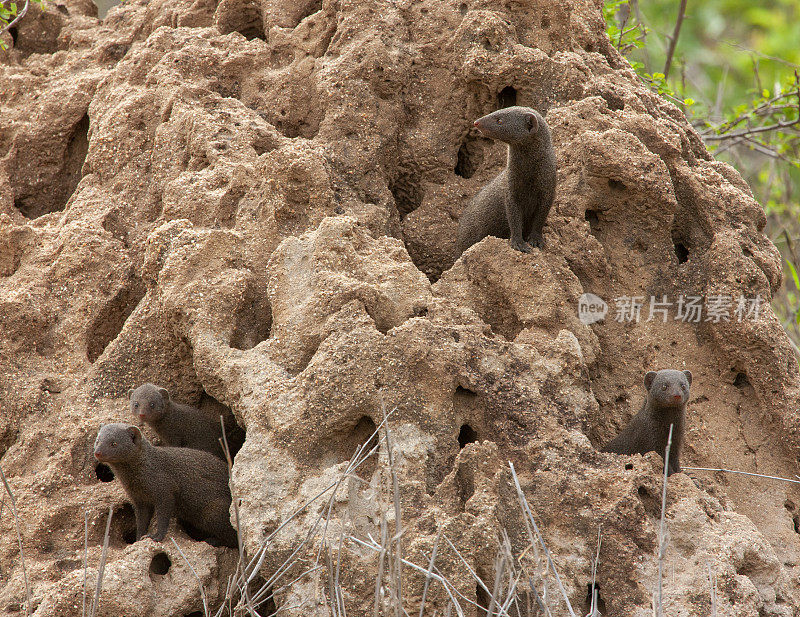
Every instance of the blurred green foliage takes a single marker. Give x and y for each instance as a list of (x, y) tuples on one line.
[(735, 75), (9, 9)]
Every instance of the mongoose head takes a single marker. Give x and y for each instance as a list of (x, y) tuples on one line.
[(148, 402), (117, 443), (668, 388), (513, 125)]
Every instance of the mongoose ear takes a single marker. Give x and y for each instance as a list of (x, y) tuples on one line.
[(648, 379), (130, 393), (532, 123), (688, 376), (136, 436), (164, 394)]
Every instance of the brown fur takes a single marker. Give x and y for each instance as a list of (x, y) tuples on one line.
[(189, 484), (665, 405), (516, 202), (180, 425)]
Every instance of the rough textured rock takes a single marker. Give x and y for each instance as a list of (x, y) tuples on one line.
[(256, 206)]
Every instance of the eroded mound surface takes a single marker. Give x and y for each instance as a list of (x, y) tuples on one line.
[(255, 204)]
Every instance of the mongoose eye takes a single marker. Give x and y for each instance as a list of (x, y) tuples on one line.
[(152, 405), (499, 121), (136, 405), (664, 387), (113, 444)]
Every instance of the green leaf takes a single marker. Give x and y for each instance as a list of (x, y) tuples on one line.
[(793, 271), (688, 101)]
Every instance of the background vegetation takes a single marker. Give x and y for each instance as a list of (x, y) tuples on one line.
[(733, 68)]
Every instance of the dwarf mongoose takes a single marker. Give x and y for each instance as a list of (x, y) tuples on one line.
[(667, 395), (515, 204), (181, 425), (191, 484)]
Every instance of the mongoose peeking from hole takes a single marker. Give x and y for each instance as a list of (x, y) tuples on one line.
[(190, 484), (515, 204), (180, 425), (665, 405)]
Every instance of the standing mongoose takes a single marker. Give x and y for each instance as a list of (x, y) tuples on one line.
[(191, 484), (515, 204), (665, 405), (181, 425)]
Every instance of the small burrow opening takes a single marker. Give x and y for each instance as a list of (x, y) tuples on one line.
[(463, 8), (364, 433), (651, 505), (796, 523), (254, 30), (160, 564), (789, 505), (681, 252), (545, 22), (464, 392), (466, 435), (680, 245), (628, 466), (482, 600), (108, 324), (741, 380), (267, 606), (252, 324), (507, 97), (14, 33), (244, 18), (469, 157), (234, 434), (103, 472), (613, 100), (408, 193), (593, 219), (616, 185), (123, 526), (52, 195), (194, 614), (600, 605)]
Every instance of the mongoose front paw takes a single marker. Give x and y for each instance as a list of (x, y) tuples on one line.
[(536, 240), (521, 245)]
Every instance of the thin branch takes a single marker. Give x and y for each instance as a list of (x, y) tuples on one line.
[(754, 131), (674, 38), (14, 21), (744, 473), (19, 541)]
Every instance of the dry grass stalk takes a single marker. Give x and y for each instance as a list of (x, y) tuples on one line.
[(199, 582), (662, 537), (85, 557), (531, 526), (19, 534), (102, 568)]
